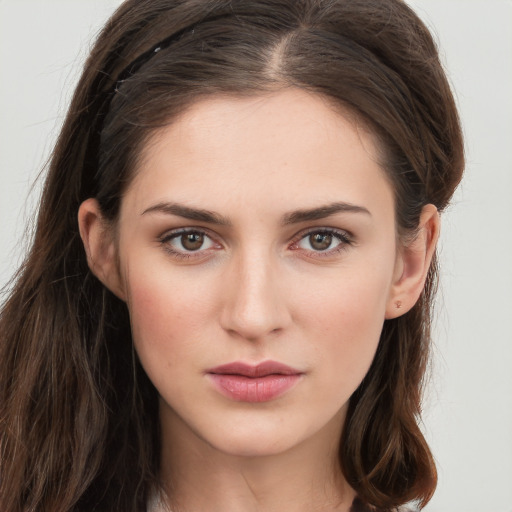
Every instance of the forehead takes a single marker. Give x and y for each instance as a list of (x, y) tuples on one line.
[(282, 146)]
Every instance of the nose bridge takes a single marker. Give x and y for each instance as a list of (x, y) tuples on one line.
[(255, 303)]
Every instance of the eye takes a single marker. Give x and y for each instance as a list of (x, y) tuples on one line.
[(328, 241), (186, 242), (192, 241), (319, 242)]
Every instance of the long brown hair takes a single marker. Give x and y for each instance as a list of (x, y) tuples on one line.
[(78, 416)]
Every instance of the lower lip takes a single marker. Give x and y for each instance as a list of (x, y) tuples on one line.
[(257, 389)]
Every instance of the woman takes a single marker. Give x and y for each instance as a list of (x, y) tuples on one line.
[(227, 302)]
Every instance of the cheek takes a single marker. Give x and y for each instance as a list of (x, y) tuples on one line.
[(168, 315), (346, 318)]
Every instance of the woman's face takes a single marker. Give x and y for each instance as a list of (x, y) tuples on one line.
[(258, 230)]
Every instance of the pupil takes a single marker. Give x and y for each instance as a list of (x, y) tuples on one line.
[(192, 241), (320, 241)]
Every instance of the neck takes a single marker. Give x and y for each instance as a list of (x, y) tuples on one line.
[(198, 477)]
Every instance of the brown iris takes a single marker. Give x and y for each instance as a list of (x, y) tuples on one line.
[(320, 241), (192, 241)]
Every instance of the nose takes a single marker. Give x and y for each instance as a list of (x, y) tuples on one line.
[(255, 302)]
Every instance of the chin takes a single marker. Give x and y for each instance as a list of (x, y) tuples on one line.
[(254, 444), (258, 435)]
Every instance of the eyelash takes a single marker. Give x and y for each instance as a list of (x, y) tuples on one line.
[(183, 255), (344, 238)]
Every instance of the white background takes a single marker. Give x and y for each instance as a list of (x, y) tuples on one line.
[(468, 410)]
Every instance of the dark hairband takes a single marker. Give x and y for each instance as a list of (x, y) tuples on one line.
[(136, 64), (92, 156)]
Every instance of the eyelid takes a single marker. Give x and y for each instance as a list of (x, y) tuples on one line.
[(169, 235), (345, 237), (173, 233)]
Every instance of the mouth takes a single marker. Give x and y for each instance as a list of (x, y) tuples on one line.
[(242, 382)]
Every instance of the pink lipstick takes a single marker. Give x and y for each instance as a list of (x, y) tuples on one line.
[(246, 383)]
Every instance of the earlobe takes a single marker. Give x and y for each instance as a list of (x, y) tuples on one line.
[(99, 245), (413, 263)]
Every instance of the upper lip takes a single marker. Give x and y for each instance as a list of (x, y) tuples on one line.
[(260, 370)]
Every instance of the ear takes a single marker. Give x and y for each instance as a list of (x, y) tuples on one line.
[(413, 262), (99, 243)]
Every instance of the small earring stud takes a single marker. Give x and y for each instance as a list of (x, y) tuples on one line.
[(398, 304)]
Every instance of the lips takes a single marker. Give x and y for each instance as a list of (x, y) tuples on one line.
[(247, 383)]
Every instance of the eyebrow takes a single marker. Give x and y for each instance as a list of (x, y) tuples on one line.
[(323, 212), (295, 217), (188, 213)]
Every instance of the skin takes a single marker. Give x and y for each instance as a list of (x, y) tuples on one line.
[(258, 288)]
